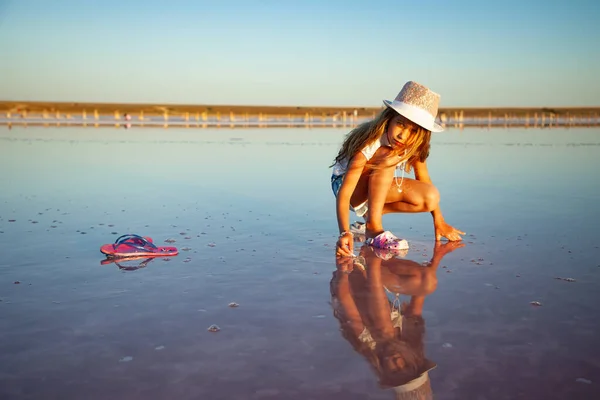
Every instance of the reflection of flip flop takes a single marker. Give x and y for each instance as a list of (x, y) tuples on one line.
[(134, 246), (386, 254), (118, 262)]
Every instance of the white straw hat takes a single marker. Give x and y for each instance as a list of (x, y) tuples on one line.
[(419, 104)]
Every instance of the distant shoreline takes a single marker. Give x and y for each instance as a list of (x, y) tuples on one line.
[(159, 109), (283, 116)]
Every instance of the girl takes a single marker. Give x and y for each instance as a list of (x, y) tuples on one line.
[(363, 171)]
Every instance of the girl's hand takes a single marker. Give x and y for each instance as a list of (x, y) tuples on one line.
[(445, 230), (441, 249), (344, 264), (345, 245)]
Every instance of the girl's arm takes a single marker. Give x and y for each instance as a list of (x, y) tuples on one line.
[(349, 315), (442, 229), (355, 169)]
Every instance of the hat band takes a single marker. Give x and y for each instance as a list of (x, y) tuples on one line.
[(412, 385), (414, 113)]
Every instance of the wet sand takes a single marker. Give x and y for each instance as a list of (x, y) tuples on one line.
[(254, 224)]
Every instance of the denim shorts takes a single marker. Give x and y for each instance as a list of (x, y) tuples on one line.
[(336, 184)]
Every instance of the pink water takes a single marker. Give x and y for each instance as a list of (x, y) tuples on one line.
[(253, 216)]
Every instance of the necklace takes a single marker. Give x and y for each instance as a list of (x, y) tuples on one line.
[(402, 166), (399, 185)]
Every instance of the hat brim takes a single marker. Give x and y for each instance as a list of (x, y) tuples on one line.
[(419, 380), (429, 125)]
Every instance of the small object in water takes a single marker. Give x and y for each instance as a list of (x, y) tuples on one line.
[(170, 240), (131, 245), (535, 303), (186, 249), (211, 245), (126, 359), (159, 347), (583, 380), (17, 282), (14, 220), (447, 346), (214, 328), (233, 304), (565, 279)]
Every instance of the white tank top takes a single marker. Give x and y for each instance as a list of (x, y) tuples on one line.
[(369, 150)]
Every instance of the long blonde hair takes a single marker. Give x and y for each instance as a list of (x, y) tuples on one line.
[(367, 132)]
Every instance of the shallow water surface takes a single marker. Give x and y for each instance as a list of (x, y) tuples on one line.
[(252, 214)]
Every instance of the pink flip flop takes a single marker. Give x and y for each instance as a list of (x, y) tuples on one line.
[(387, 241), (135, 246)]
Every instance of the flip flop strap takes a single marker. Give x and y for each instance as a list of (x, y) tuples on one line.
[(144, 246)]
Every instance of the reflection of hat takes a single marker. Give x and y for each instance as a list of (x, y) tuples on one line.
[(416, 385), (419, 104)]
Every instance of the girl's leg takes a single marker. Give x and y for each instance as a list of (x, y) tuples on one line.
[(378, 186), (415, 197), (379, 183), (383, 197)]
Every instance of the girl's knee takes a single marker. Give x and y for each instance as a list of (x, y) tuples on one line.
[(431, 198), (429, 284)]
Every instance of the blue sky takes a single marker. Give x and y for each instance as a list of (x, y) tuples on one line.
[(326, 52)]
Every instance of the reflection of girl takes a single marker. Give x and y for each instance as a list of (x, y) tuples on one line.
[(388, 333)]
